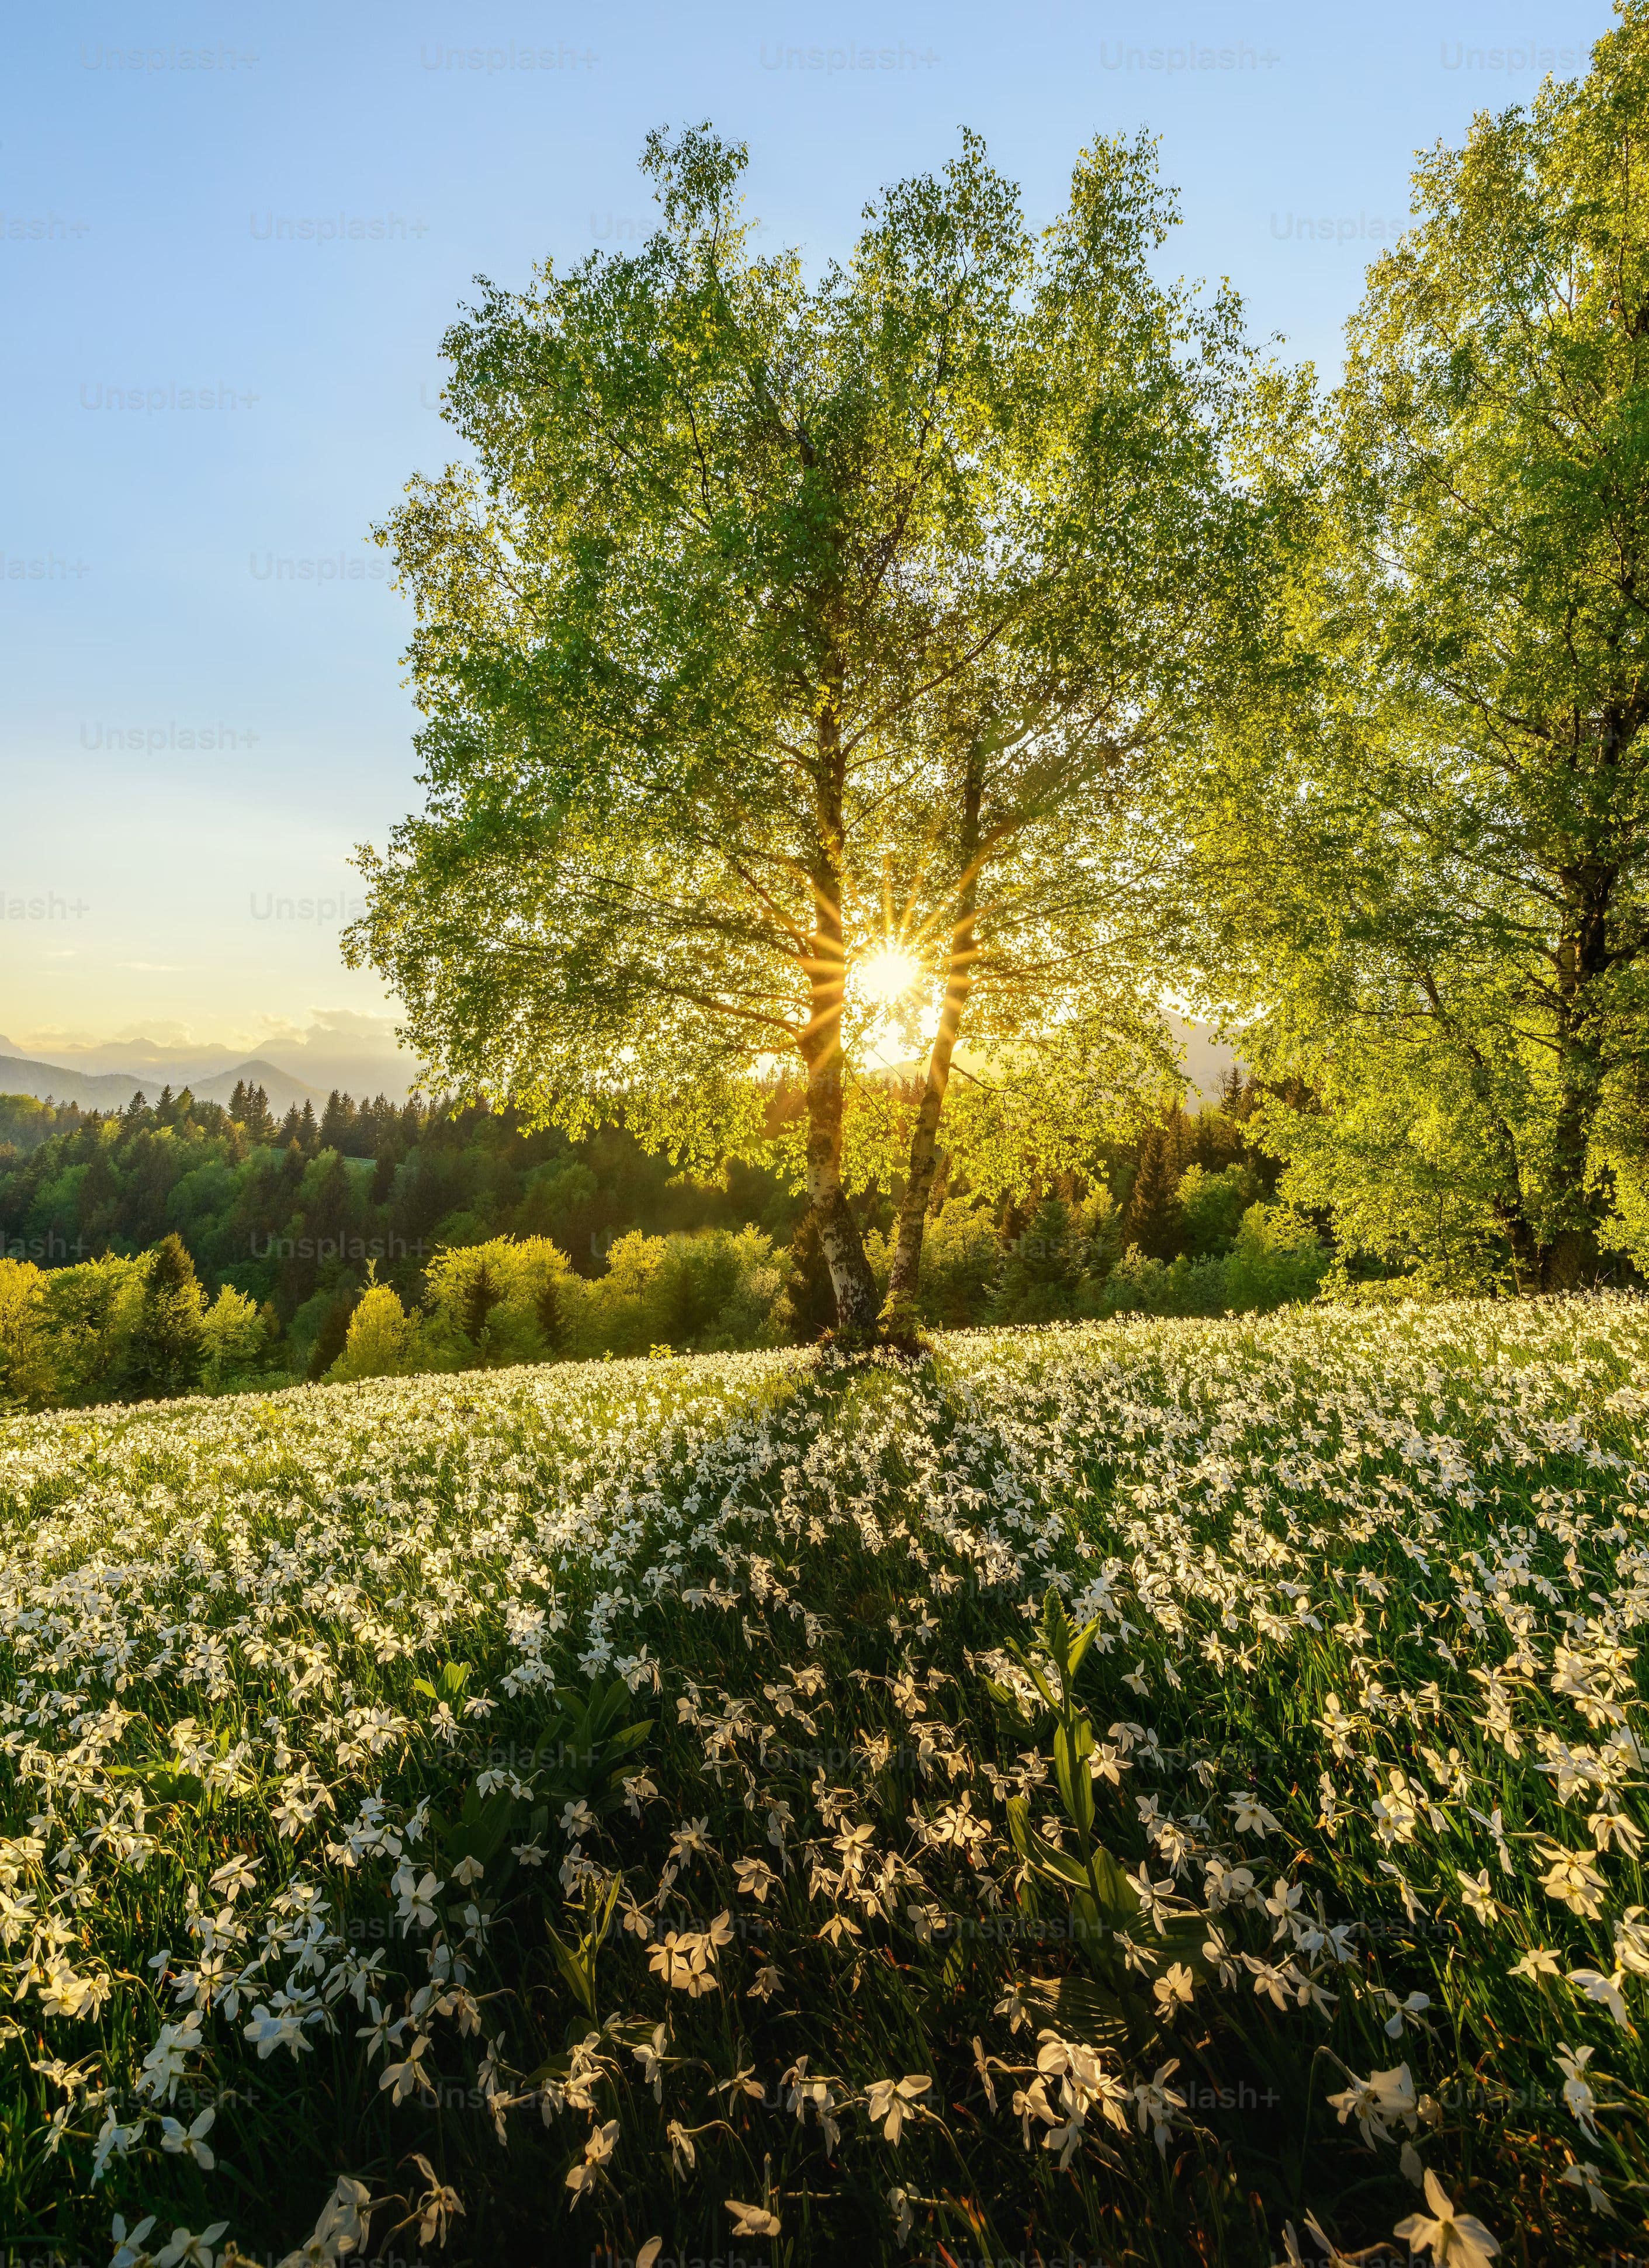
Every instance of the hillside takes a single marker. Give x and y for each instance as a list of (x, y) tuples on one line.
[(659, 1803), (113, 1090)]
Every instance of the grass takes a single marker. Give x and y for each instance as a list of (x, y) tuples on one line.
[(1083, 1794)]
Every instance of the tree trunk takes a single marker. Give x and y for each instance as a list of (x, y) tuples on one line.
[(839, 1238), (899, 1315), (1572, 1252)]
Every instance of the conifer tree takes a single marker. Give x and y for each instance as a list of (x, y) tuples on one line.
[(167, 1349)]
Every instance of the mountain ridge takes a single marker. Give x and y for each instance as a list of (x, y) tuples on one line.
[(113, 1090)]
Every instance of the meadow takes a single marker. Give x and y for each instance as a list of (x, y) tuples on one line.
[(1145, 1790)]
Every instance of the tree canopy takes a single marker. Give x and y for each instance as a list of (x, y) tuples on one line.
[(1425, 825), (799, 653)]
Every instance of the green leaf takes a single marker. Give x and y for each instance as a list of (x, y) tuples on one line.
[(1057, 1865), (165, 1782), (481, 1828), (1072, 1751), (448, 1687), (1081, 1643), (1079, 2009)]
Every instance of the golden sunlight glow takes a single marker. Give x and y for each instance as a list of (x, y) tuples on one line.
[(888, 975)]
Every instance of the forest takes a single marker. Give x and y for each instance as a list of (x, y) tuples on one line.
[(180, 1246)]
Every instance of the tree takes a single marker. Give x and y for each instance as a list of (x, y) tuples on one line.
[(167, 1347), (337, 1123), (233, 1339), (1433, 828), (259, 1119), (1154, 1219), (797, 651), (498, 1303), (92, 1311), (27, 1376), (382, 1340)]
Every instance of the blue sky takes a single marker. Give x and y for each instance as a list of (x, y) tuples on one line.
[(230, 241)]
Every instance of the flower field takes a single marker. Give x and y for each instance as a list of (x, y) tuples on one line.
[(1131, 1792)]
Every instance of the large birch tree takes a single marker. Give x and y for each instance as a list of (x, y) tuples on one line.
[(784, 632)]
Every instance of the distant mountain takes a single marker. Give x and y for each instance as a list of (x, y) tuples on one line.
[(281, 1087), (153, 1056), (113, 1090)]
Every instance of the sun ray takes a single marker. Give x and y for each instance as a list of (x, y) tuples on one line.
[(888, 975)]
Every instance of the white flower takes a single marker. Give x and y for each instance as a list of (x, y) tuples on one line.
[(1396, 1811), (1538, 1961), (341, 2228), (650, 2055), (752, 2220), (113, 2137), (1574, 1880), (755, 1878), (1154, 2100), (416, 1897), (1577, 2091), (1282, 1903), (1155, 1898), (187, 2251), (1459, 2240), (1172, 1991), (1588, 2177), (690, 1842), (403, 2077), (129, 2243), (597, 2150), (1594, 1985), (167, 2061), (189, 2142), (890, 2100), (1013, 2007), (1374, 2102), (1631, 1941), (1478, 1897), (285, 2029), (1251, 1816), (1414, 2006)]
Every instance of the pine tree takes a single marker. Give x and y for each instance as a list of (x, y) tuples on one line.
[(167, 1348), (308, 1133), (260, 1117), (337, 1123), (1154, 1219)]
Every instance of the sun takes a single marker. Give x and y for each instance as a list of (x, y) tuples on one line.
[(888, 975)]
